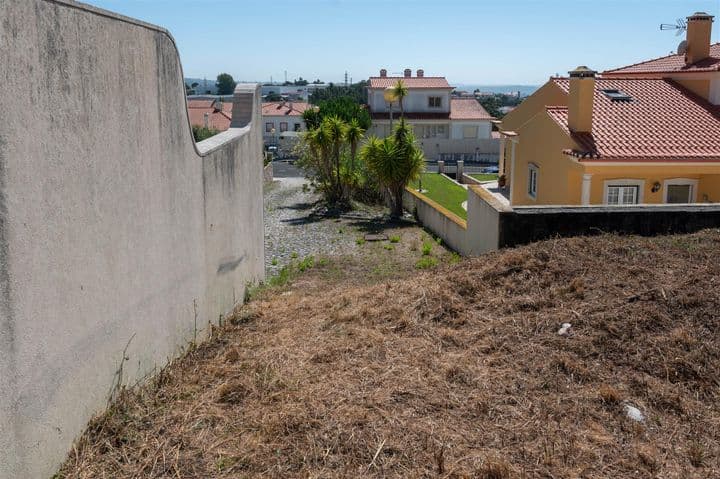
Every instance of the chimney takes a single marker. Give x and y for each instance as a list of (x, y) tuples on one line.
[(420, 73), (383, 73), (408, 73), (699, 28), (580, 99)]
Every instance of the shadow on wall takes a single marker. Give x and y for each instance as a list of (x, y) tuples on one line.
[(120, 238)]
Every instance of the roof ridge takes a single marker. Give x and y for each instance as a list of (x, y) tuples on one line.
[(617, 70)]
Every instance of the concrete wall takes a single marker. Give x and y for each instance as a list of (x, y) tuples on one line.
[(444, 223), (118, 235), (492, 225)]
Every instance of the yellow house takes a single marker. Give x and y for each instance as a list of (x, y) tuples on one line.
[(644, 134)]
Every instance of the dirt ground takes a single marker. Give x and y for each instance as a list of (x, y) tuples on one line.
[(366, 366)]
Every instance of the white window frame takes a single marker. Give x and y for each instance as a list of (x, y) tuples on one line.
[(430, 101), (624, 182), (533, 169), (681, 182)]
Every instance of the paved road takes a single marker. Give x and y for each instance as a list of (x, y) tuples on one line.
[(285, 169)]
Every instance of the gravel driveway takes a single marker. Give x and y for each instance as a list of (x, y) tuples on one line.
[(293, 229)]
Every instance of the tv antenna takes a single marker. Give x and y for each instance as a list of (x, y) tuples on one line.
[(680, 26)]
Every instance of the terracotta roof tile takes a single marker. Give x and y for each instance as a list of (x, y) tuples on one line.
[(663, 122), (411, 82), (278, 108), (468, 109), (673, 64), (218, 120)]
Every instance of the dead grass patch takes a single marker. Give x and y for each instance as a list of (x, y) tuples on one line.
[(455, 372)]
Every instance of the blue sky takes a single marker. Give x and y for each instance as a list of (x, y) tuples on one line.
[(468, 41)]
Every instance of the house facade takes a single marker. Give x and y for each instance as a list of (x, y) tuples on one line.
[(443, 125), (621, 138), (282, 124)]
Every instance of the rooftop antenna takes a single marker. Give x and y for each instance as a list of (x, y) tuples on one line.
[(680, 26)]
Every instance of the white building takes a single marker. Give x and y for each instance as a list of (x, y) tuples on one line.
[(444, 126), (282, 124)]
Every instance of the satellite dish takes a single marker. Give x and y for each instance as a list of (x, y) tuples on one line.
[(682, 48)]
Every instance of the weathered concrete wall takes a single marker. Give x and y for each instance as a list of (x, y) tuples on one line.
[(117, 233), (444, 223)]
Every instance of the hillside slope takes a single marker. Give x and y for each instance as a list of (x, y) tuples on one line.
[(458, 372)]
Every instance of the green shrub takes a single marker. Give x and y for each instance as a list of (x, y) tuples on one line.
[(426, 262), (360, 241), (426, 248), (395, 239), (307, 263)]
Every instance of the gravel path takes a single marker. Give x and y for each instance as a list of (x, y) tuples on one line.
[(292, 231)]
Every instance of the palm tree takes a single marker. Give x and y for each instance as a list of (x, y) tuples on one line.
[(396, 161), (353, 134), (336, 129), (318, 140), (400, 91)]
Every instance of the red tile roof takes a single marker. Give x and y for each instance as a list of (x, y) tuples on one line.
[(673, 64), (663, 122), (468, 109), (278, 108), (411, 82), (218, 120)]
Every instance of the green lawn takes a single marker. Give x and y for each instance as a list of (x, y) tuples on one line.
[(485, 176), (443, 191)]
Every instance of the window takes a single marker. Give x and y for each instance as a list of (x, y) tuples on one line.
[(624, 192), (268, 127), (297, 126), (617, 95), (441, 129), (532, 180), (283, 126), (622, 195), (680, 190), (434, 102), (470, 132)]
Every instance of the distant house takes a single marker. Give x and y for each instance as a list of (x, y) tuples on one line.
[(282, 124), (644, 134), (214, 113), (444, 126)]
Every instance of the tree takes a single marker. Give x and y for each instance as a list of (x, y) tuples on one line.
[(195, 85), (400, 91), (336, 133), (344, 108), (357, 92), (225, 84), (354, 134), (395, 161)]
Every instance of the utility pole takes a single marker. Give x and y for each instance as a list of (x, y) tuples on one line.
[(285, 76), (346, 76)]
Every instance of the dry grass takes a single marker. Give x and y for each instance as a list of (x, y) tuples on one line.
[(457, 372)]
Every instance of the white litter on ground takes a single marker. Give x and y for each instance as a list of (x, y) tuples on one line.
[(564, 329), (634, 413)]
